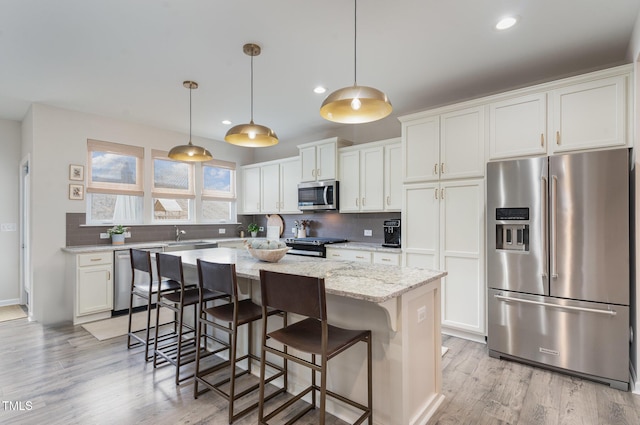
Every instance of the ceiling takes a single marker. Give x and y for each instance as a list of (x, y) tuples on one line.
[(127, 59)]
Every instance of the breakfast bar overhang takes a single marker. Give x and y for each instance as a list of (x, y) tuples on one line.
[(400, 305)]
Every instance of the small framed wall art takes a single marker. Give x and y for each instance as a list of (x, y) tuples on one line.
[(76, 172), (76, 192)]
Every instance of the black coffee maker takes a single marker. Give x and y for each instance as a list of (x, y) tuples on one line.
[(392, 233)]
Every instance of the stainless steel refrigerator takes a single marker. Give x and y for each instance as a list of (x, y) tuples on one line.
[(558, 263)]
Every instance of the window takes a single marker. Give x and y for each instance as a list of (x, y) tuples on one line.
[(173, 192), (114, 183), (219, 192)]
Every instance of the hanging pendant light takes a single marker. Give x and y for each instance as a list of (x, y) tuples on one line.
[(355, 104), (251, 135), (190, 152)]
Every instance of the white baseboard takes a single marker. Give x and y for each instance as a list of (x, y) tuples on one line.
[(464, 335), (15, 301)]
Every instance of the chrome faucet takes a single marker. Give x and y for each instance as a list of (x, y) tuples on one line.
[(179, 233)]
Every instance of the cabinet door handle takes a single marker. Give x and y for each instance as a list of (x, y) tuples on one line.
[(557, 138), (435, 169), (386, 259), (388, 200), (442, 168), (360, 257), (313, 172), (435, 193), (357, 202), (95, 259), (318, 172), (542, 139), (442, 193), (108, 275)]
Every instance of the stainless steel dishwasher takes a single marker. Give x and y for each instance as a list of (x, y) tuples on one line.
[(122, 281)]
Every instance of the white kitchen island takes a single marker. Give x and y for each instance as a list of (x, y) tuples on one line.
[(401, 306)]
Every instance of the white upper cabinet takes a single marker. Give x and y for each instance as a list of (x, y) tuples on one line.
[(271, 187), (289, 179), (318, 160), (446, 146), (421, 154), (585, 112), (393, 176), (370, 177), (590, 115), (518, 126), (462, 144), (251, 189)]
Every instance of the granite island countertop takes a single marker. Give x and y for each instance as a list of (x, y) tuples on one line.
[(369, 282)]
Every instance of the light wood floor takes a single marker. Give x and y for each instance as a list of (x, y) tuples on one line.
[(479, 389), (69, 377)]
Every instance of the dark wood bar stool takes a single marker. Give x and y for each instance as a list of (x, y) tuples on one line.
[(143, 286), (221, 278), (179, 350), (306, 296)]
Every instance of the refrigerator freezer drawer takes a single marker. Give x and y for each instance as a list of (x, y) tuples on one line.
[(582, 337)]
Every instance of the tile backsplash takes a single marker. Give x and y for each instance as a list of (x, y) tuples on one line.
[(321, 224)]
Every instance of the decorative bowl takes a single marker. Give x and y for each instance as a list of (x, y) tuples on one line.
[(268, 255)]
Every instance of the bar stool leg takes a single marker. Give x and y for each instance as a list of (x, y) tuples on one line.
[(179, 352)]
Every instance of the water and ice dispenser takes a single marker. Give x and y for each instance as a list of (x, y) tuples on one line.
[(512, 236)]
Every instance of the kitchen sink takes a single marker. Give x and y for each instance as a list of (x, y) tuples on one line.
[(189, 245)]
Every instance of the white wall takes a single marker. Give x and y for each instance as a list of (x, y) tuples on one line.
[(59, 138), (386, 128), (10, 135)]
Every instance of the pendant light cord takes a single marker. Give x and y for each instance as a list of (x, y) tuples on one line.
[(190, 90), (355, 44), (251, 89)]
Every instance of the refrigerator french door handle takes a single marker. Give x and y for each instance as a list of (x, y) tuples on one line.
[(565, 307), (554, 225), (544, 230)]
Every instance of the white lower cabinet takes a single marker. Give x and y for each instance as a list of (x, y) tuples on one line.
[(363, 256), (443, 228), (387, 258), (94, 286), (360, 256)]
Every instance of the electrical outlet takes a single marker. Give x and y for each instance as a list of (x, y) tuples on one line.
[(422, 314), (260, 229), (8, 227), (104, 236), (368, 232), (222, 231)]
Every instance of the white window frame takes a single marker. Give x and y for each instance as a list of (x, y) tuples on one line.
[(136, 190), (221, 196), (164, 193)]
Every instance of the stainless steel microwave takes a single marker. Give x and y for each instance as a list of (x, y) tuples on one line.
[(320, 195)]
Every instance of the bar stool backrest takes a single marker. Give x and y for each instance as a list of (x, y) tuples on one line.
[(218, 277), (140, 260), (297, 294), (170, 267)]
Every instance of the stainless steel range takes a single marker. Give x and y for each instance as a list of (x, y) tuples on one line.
[(313, 247)]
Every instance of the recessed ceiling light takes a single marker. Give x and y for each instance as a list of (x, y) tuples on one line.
[(226, 122), (319, 90), (506, 23)]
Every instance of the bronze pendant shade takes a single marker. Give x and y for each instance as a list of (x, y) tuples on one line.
[(355, 104), (190, 152), (251, 135)]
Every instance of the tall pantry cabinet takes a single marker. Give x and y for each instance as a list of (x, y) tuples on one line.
[(443, 210)]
